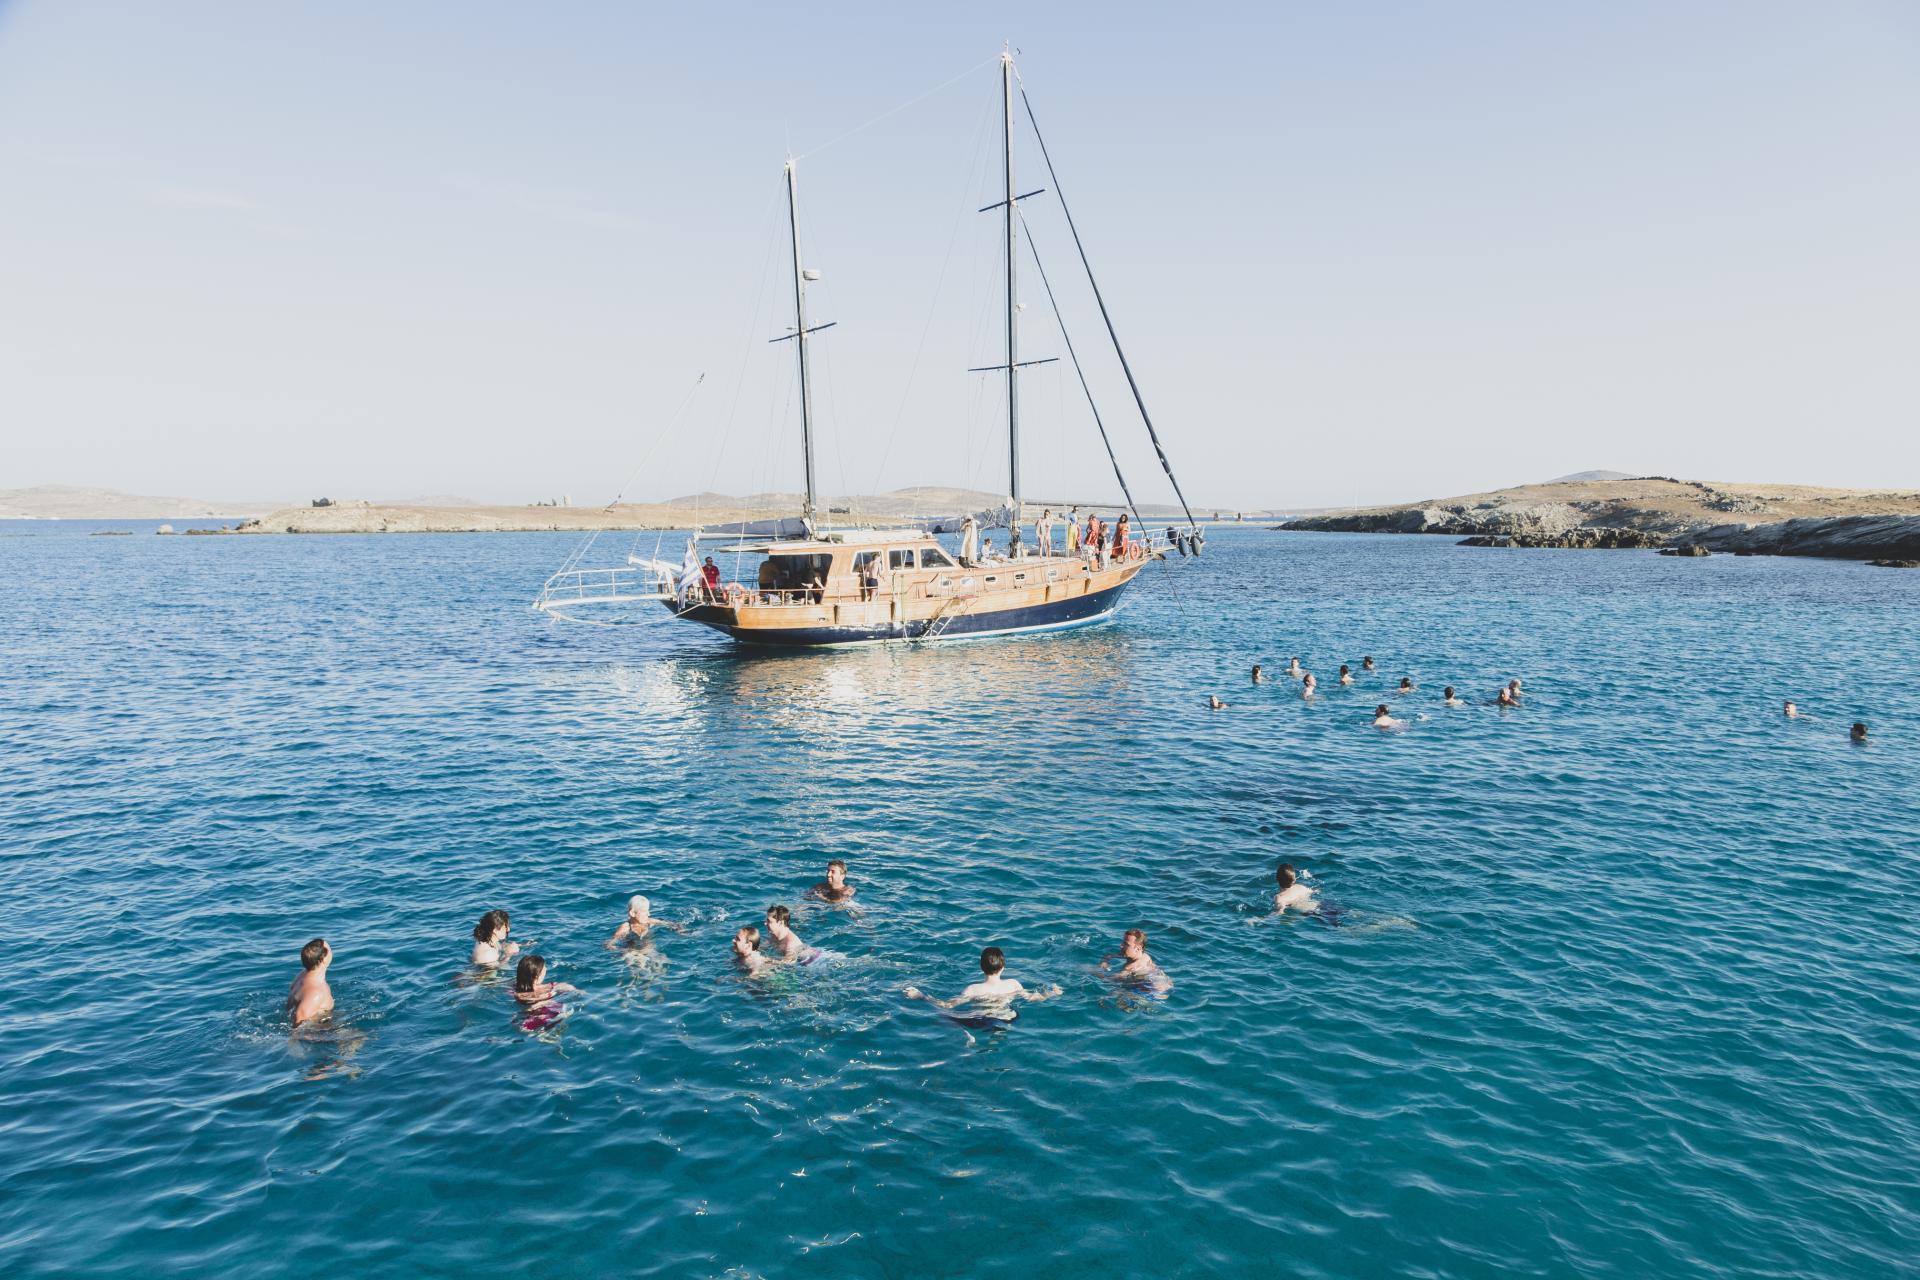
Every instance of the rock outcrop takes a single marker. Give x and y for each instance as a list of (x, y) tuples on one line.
[(1571, 540), (1840, 537)]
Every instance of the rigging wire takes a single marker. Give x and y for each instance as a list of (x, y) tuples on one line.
[(1125, 367), (1073, 355), (860, 128)]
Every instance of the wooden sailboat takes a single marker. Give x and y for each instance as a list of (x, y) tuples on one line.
[(817, 587)]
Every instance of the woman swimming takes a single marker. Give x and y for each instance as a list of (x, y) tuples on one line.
[(490, 945)]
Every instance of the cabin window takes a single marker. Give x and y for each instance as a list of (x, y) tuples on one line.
[(794, 572), (901, 559), (993, 577), (862, 559), (934, 558), (1019, 577)]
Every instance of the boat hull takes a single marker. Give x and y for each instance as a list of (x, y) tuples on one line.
[(1053, 615)]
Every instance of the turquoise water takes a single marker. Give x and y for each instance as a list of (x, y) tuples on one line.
[(1625, 983)]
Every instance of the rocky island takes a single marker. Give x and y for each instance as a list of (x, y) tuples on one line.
[(1655, 512)]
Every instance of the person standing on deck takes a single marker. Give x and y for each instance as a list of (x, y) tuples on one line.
[(1043, 533), (1073, 532), (1120, 537), (711, 573), (969, 541)]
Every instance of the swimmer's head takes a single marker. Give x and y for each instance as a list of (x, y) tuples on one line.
[(745, 939), (1859, 734), (317, 952), (1406, 682), (490, 927), (1380, 710), (1133, 944), (1284, 877), (528, 975), (1345, 670), (992, 961), (836, 871), (1447, 692), (1791, 709), (638, 908), (777, 914), (1367, 662)]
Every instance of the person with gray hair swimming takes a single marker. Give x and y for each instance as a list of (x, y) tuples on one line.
[(640, 922)]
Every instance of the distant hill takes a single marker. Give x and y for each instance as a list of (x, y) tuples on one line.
[(1655, 507), (70, 502), (1587, 477)]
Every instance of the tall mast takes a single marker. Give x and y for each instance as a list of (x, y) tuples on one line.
[(808, 509), (1013, 342)]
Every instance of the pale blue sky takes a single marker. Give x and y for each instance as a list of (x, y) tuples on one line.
[(1358, 252)]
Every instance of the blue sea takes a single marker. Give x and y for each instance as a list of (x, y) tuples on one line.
[(1625, 982)]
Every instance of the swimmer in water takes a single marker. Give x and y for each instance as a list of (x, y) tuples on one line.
[(835, 887), (1505, 698), (1292, 895), (1307, 685), (1346, 674), (994, 994), (310, 997), (1792, 711), (530, 985), (1449, 700), (490, 945), (1513, 690), (1258, 678), (1366, 664), (1858, 733), (1139, 966), (1294, 669), (1383, 718), (639, 922), (1406, 684), (1214, 703), (785, 940), (746, 949)]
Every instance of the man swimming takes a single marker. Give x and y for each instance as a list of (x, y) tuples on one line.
[(784, 939), (1292, 895), (1294, 668), (1306, 685), (310, 997), (1858, 733), (994, 994), (1792, 711), (1383, 718), (746, 949), (1505, 698), (835, 887), (1406, 684), (1346, 674), (1139, 966), (1214, 703), (1449, 700), (1366, 664), (640, 920)]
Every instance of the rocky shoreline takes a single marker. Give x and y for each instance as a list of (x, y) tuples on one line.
[(1677, 517)]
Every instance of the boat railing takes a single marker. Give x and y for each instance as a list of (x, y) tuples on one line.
[(579, 588)]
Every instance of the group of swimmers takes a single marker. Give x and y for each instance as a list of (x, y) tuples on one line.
[(1792, 711), (755, 953), (1508, 695)]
